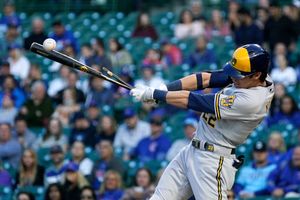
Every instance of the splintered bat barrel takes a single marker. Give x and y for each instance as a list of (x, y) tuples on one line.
[(71, 62)]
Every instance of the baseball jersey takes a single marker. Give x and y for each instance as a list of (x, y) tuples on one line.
[(237, 112)]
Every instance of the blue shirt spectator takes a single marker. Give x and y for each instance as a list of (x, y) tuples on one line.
[(276, 147), (285, 179), (252, 180), (111, 187), (9, 17), (5, 178), (154, 147)]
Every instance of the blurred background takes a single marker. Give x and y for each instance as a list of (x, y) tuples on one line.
[(65, 135)]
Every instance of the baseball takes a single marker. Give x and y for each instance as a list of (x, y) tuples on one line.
[(49, 44)]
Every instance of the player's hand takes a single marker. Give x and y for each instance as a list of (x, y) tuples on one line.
[(142, 93)]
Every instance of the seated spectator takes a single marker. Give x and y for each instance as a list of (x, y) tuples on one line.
[(74, 181), (37, 33), (78, 156), (279, 50), (5, 178), (217, 26), (143, 187), (111, 187), (247, 32), (288, 114), (153, 147), (279, 92), (12, 37), (59, 83), (10, 88), (190, 126), (10, 149), (187, 28), (19, 64), (25, 196), (276, 147), (86, 53), (35, 74), (4, 71), (87, 193), (55, 191), (252, 180), (284, 180), (106, 129), (131, 132), (153, 58), (233, 19), (284, 74), (9, 15), (82, 131), (53, 136), (171, 54), (202, 55), (144, 28), (56, 171), (148, 78), (197, 11), (8, 110), (118, 55), (39, 108), (99, 94), (93, 114), (63, 37), (67, 108), (99, 57), (30, 173), (106, 162)]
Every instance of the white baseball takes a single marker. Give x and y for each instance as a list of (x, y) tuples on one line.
[(49, 44)]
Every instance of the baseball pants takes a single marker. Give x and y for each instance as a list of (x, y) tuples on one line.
[(204, 174)]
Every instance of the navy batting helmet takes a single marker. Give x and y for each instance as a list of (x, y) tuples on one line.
[(247, 60)]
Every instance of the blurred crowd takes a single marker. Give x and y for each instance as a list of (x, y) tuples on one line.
[(68, 134)]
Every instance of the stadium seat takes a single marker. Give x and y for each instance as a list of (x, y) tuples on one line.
[(38, 192), (44, 156), (6, 193)]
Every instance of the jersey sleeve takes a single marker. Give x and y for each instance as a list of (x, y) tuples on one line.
[(238, 106)]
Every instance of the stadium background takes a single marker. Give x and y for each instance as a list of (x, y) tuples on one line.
[(86, 20)]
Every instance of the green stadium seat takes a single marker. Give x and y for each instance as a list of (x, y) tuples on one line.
[(38, 192), (8, 167), (6, 193), (44, 156)]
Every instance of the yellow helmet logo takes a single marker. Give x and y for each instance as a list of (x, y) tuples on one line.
[(241, 60)]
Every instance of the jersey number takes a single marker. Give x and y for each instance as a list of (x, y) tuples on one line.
[(209, 119)]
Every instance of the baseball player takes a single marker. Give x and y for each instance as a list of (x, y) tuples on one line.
[(207, 166)]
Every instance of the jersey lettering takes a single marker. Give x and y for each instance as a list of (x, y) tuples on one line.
[(209, 119)]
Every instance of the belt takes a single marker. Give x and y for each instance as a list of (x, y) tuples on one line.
[(203, 145)]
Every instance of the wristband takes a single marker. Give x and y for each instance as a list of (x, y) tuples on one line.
[(160, 95), (175, 85), (199, 81)]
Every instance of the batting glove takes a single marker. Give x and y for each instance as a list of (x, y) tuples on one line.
[(163, 87), (142, 93)]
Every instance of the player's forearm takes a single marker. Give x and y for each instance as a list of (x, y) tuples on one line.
[(191, 82), (178, 98)]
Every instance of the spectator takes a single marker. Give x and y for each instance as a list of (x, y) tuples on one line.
[(252, 180), (86, 53), (276, 147), (262, 17), (143, 188), (202, 56), (187, 28), (171, 54), (82, 131), (5, 178), (288, 114), (99, 58), (30, 173), (8, 110), (55, 191), (144, 28), (279, 92), (37, 33), (71, 85), (99, 94), (149, 78), (106, 129), (87, 193), (284, 74), (10, 149), (153, 58), (35, 74), (25, 196), (53, 136), (56, 171), (247, 32), (292, 12), (118, 55), (93, 114), (111, 187), (284, 180), (9, 16), (78, 156), (131, 132), (106, 162), (217, 26), (10, 88), (4, 71), (22, 134), (12, 38), (279, 28), (279, 50), (233, 19), (60, 82), (19, 64), (197, 12), (190, 126), (39, 108), (63, 37), (154, 147), (74, 181)]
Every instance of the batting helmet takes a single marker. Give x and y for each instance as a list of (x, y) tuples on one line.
[(247, 60)]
